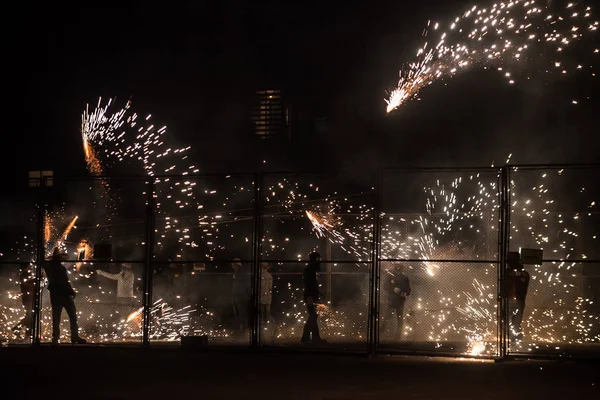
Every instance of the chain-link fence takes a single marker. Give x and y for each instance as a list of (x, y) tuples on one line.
[(17, 271), (410, 262), (438, 270), (331, 215), (555, 210), (201, 225)]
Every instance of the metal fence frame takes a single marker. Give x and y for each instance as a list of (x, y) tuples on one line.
[(373, 347)]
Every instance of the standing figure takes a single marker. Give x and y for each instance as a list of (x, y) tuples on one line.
[(517, 283), (311, 299), (125, 281), (241, 294), (27, 283), (62, 296), (396, 288), (266, 295)]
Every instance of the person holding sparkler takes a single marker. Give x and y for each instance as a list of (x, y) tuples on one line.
[(517, 283), (311, 299), (62, 296)]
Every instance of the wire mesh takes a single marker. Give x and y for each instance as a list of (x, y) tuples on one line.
[(301, 213), (452, 310), (204, 218), (438, 233), (342, 308), (16, 303), (107, 304), (554, 209), (199, 299), (17, 254), (97, 227), (437, 289)]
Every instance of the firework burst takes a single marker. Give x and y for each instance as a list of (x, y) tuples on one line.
[(504, 36)]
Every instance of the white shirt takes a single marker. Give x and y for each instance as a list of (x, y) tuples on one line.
[(125, 280), (265, 287)]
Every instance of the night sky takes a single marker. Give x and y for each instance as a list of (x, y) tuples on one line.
[(194, 66)]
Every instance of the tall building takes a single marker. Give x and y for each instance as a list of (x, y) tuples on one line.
[(269, 114)]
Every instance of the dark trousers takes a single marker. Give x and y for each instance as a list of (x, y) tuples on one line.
[(240, 310), (515, 312), (60, 301), (311, 326), (386, 323)]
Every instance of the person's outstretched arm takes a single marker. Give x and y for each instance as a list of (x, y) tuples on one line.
[(107, 275)]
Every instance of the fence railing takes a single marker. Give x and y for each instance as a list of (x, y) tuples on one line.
[(413, 262)]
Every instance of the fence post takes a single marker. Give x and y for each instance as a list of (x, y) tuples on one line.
[(373, 320), (503, 250), (256, 264), (40, 259), (148, 270)]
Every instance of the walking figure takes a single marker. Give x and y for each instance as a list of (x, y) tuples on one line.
[(312, 299)]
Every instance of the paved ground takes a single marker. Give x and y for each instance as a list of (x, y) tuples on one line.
[(91, 373)]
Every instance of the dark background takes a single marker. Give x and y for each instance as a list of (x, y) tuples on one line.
[(194, 65)]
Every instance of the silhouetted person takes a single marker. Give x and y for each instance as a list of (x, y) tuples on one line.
[(62, 296), (517, 283), (241, 294), (396, 288), (27, 283), (312, 298)]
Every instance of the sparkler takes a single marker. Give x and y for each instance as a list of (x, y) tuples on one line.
[(503, 36)]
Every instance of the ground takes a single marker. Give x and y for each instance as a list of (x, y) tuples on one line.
[(91, 373)]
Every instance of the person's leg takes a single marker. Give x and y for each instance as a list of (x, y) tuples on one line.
[(385, 321), (72, 313), (56, 314), (307, 325), (313, 322), (400, 319)]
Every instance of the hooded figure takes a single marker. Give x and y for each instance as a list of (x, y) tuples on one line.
[(62, 296)]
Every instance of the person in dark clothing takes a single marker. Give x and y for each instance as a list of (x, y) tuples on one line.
[(27, 281), (62, 296), (241, 293), (396, 288), (517, 283), (311, 299)]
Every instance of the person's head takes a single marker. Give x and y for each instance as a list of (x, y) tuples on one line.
[(315, 259), (398, 268), (56, 255), (265, 266), (236, 264), (126, 267)]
